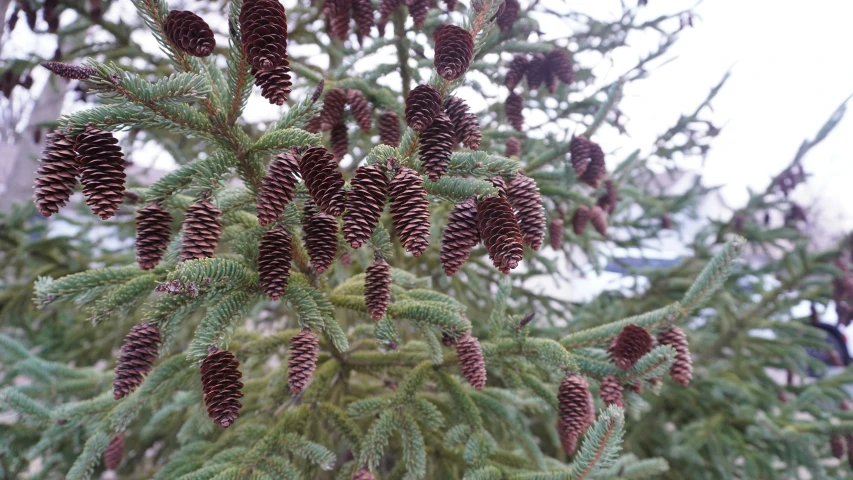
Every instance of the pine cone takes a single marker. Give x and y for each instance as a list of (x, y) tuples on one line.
[(386, 8), (302, 360), (560, 66), (338, 16), (359, 107), (436, 145), (666, 222), (377, 288), (362, 12), (274, 83), (422, 106), (389, 128), (454, 48), (499, 183), (849, 441), (320, 234), (471, 361), (202, 226), (568, 439), (57, 174), (513, 147), (274, 256), (607, 202), (68, 71), (611, 391), (339, 141), (220, 381), (450, 5), (313, 125), (555, 232), (629, 346), (324, 181), (466, 127), (153, 229), (460, 236), (836, 446), (333, 108), (101, 171), (189, 33), (410, 210), (574, 405), (500, 233), (523, 195), (369, 189), (580, 219), (537, 71), (418, 10), (263, 24), (508, 15), (581, 149), (596, 169), (514, 111), (682, 370), (114, 452), (598, 219), (278, 186), (363, 474), (136, 358), (516, 70)]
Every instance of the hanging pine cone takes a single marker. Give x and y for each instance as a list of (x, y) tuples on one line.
[(189, 33), (568, 439), (274, 83), (555, 232), (836, 446), (339, 141), (436, 145), (574, 405), (366, 202), (220, 381), (580, 219), (560, 66), (598, 219), (454, 48), (514, 111), (68, 71), (362, 12), (471, 361), (516, 70), (152, 235), (202, 226), (596, 169), (460, 236), (57, 174), (389, 128), (418, 10), (499, 183), (338, 17), (410, 210), (611, 391), (666, 222), (321, 237), (263, 24), (386, 8), (302, 360), (422, 106), (513, 147), (136, 358), (274, 256), (629, 346), (466, 127), (523, 195), (359, 107), (500, 233), (114, 452), (324, 181), (313, 125), (377, 288), (101, 171), (580, 149), (682, 370), (607, 202), (363, 474), (508, 15), (537, 71), (333, 108), (278, 186)]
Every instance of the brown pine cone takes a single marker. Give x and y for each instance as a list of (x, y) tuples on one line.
[(422, 106), (508, 15), (568, 439), (499, 183), (189, 33), (611, 391), (278, 186), (69, 71), (682, 370), (515, 111), (836, 446), (263, 24), (136, 358), (313, 125), (377, 287), (202, 226), (418, 10), (338, 17), (436, 145), (362, 12), (57, 174), (560, 66), (580, 149), (454, 48), (575, 407), (363, 474), (471, 361), (101, 171), (339, 141), (500, 233), (666, 222), (517, 69), (460, 236), (410, 210), (359, 107), (153, 229), (333, 108), (450, 5), (630, 346), (386, 8), (114, 452), (302, 360), (513, 147), (466, 127), (324, 181), (555, 232), (274, 83), (580, 219), (598, 219), (369, 189), (389, 128), (320, 236), (849, 440), (537, 71), (220, 381), (274, 256), (523, 195), (596, 168), (607, 202)]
